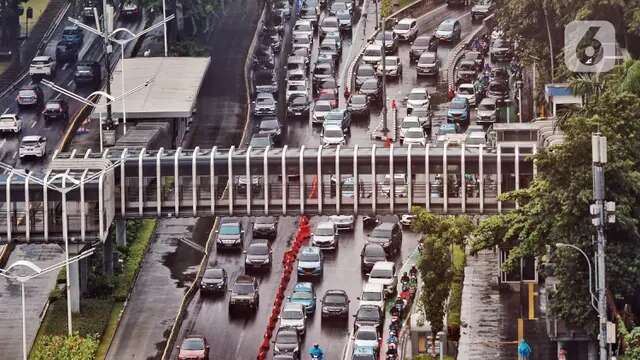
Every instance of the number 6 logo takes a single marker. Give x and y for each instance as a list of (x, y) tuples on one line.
[(589, 46)]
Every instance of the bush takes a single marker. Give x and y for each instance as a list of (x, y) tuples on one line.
[(99, 286), (55, 294), (133, 259), (74, 347)]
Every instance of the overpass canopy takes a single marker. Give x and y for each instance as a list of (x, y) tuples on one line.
[(173, 92)]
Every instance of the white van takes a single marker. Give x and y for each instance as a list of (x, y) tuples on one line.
[(372, 294)]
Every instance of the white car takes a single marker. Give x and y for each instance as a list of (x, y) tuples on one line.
[(372, 54), (372, 294), (303, 27), (302, 41), (320, 110), (293, 315), (333, 135), (367, 337), (325, 236), (418, 98), (406, 29), (407, 219), (384, 273), (34, 145), (392, 67), (296, 88), (329, 24), (42, 66), (343, 222), (486, 111), (407, 123), (467, 91), (415, 136), (10, 123)]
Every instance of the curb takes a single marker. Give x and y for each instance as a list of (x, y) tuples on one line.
[(5, 252)]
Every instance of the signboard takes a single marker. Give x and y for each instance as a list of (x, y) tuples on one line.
[(611, 332)]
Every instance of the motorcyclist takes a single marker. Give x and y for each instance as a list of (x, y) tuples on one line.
[(405, 293), (405, 278), (392, 339), (413, 272), (392, 349), (316, 352)]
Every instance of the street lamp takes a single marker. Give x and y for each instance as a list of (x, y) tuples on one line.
[(594, 299), (122, 42), (37, 272)]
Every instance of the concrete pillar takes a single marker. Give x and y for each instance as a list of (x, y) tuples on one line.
[(84, 274), (121, 232), (107, 261), (74, 273)]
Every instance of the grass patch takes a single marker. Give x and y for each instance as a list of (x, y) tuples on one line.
[(110, 330), (455, 302), (134, 257)]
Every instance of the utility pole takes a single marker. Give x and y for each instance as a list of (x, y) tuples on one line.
[(108, 49), (385, 128), (376, 2), (602, 212)]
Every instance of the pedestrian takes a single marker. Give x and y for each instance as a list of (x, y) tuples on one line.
[(524, 350), (450, 93)]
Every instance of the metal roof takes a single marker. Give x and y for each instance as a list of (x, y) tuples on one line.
[(172, 94)]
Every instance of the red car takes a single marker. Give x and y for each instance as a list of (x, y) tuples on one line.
[(194, 347), (329, 94)]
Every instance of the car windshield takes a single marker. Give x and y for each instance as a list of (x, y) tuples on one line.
[(367, 335), (328, 84), (303, 27), (295, 87), (371, 296), (465, 90), (288, 337), (260, 141), (417, 96), (403, 26), (324, 231), (264, 101), (372, 52), (302, 295), (381, 233), (297, 77), (269, 124), (333, 133), (343, 16), (69, 32), (338, 6), (378, 273), (243, 288), (335, 299), (458, 105), (301, 40), (298, 100), (374, 251), (292, 314), (422, 41), (258, 249), (410, 123), (446, 26), (29, 142), (427, 59), (467, 66), (330, 23), (52, 106), (327, 96), (26, 93), (359, 100), (414, 134), (193, 344), (83, 68), (334, 116), (369, 314), (369, 85), (229, 229), (39, 62), (309, 257), (366, 71), (391, 62), (213, 274), (420, 112), (487, 106), (322, 107), (323, 70)]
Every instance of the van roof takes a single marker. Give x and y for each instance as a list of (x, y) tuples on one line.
[(371, 287), (386, 265)]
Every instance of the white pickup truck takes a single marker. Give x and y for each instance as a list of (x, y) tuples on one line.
[(42, 66), (10, 123)]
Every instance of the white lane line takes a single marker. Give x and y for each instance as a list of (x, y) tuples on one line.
[(14, 156), (34, 124), (5, 111), (462, 16), (2, 142)]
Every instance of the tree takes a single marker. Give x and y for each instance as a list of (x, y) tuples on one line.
[(74, 347), (555, 208)]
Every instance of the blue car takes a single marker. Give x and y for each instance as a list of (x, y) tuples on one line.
[(459, 111), (310, 262), (73, 34), (364, 353), (305, 295)]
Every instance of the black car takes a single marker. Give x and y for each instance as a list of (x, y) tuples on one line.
[(265, 81), (390, 41), (323, 71), (56, 109), (87, 72), (358, 104), (244, 294), (389, 235), (66, 51), (287, 341), (298, 105), (500, 51), (364, 73), (370, 254), (422, 44), (230, 235), (265, 227), (258, 255), (214, 281), (335, 305), (368, 315), (272, 127), (372, 88)]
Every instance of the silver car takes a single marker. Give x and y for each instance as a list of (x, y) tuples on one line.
[(325, 236), (34, 145)]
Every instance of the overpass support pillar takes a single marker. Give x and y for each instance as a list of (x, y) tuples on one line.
[(74, 273), (107, 260), (121, 232), (84, 274)]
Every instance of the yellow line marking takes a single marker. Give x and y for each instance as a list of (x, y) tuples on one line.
[(520, 329), (531, 302)]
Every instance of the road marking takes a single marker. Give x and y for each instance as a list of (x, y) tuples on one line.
[(3, 142), (531, 302), (5, 111), (14, 156), (34, 124), (64, 67), (462, 16)]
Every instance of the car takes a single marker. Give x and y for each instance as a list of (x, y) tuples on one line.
[(42, 66), (73, 34), (459, 111), (87, 10), (367, 336), (274, 23), (261, 141), (365, 72), (384, 273), (193, 347), (372, 294), (285, 356), (325, 236), (293, 315), (407, 123), (499, 73), (244, 294), (486, 111), (335, 304), (337, 6), (298, 105), (422, 44), (370, 254), (418, 98), (282, 8), (424, 116), (347, 188), (468, 92), (265, 81), (350, 4), (415, 136), (344, 20), (310, 262), (131, 9), (265, 104), (330, 95), (364, 353), (66, 52), (406, 29), (466, 71), (274, 40), (263, 57), (56, 109), (87, 72), (214, 281), (369, 315), (258, 255), (328, 24), (498, 90), (230, 235), (298, 63), (265, 227), (297, 76), (302, 41), (392, 67), (303, 27), (372, 88), (406, 220), (287, 340), (390, 41), (330, 47), (446, 131), (32, 146), (10, 123), (476, 138), (481, 9), (358, 105), (339, 117), (323, 71), (388, 235), (320, 110), (428, 65), (343, 222), (305, 295), (399, 185), (500, 51), (476, 57), (449, 30), (334, 35), (372, 54), (296, 88), (326, 84), (29, 96), (332, 135), (310, 13)]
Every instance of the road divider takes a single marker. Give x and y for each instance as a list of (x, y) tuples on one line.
[(457, 52), (290, 256)]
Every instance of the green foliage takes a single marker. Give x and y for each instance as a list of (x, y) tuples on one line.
[(631, 340), (55, 294), (188, 48), (74, 347), (555, 208), (132, 261)]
